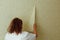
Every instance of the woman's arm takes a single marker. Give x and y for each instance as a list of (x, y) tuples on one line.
[(35, 29)]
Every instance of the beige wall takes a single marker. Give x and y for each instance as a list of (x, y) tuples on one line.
[(10, 9), (48, 19)]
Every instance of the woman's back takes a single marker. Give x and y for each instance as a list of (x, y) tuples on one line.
[(15, 31), (23, 36)]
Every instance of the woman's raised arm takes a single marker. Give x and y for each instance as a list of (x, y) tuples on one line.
[(35, 29)]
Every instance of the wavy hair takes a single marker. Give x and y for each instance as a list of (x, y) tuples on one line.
[(15, 26)]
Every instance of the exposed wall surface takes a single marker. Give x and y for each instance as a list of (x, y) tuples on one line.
[(10, 9), (48, 19)]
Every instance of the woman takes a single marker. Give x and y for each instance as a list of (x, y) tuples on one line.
[(15, 31)]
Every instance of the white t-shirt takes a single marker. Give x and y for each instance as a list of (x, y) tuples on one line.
[(22, 36)]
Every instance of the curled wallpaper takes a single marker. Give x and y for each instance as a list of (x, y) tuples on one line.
[(32, 19)]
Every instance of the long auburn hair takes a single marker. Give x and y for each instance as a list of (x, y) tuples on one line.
[(15, 26)]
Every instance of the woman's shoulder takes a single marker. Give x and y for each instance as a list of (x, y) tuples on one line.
[(10, 34), (7, 33), (29, 33)]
